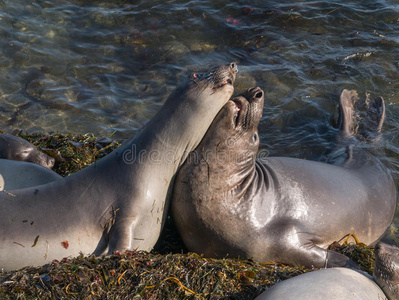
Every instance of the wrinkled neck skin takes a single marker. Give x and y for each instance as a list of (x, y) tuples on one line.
[(226, 171)]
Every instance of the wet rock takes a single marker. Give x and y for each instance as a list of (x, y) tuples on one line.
[(273, 85), (10, 48), (20, 58), (201, 46), (176, 48), (244, 80), (9, 84)]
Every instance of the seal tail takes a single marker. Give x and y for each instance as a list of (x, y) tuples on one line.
[(376, 117)]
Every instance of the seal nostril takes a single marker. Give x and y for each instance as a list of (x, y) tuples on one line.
[(255, 137), (259, 95), (233, 66)]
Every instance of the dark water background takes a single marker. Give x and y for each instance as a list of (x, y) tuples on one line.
[(106, 67)]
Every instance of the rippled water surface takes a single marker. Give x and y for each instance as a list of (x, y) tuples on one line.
[(105, 67)]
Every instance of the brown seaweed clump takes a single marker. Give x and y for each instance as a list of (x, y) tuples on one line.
[(142, 275), (71, 152)]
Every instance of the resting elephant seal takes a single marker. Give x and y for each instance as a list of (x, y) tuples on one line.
[(340, 283), (331, 284), (20, 174), (119, 202), (277, 209), (16, 148)]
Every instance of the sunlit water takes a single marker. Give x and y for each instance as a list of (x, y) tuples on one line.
[(106, 67)]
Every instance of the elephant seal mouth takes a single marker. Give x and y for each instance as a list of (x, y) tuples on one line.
[(219, 76), (248, 108)]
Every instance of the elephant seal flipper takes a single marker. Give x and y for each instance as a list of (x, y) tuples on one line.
[(386, 269), (376, 117), (22, 165), (347, 101)]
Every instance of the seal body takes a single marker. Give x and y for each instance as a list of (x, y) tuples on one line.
[(19, 174), (277, 209), (386, 269), (119, 202), (340, 283), (333, 283), (16, 148)]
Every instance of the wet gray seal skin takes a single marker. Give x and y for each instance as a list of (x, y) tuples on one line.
[(340, 283), (332, 284), (16, 148), (119, 202), (277, 209), (386, 269), (20, 174)]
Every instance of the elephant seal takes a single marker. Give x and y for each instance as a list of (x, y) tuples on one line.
[(340, 283), (121, 201), (16, 148), (332, 283), (22, 165), (277, 209), (20, 174)]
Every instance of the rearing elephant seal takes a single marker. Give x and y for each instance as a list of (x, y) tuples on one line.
[(119, 202), (277, 209)]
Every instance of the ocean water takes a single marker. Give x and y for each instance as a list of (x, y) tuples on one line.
[(106, 67)]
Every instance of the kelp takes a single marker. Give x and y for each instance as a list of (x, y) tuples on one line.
[(71, 152), (143, 275), (167, 272)]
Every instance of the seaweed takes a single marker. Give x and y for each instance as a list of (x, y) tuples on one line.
[(167, 272), (71, 152)]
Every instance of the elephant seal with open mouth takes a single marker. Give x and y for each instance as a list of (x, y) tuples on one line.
[(278, 209), (119, 202)]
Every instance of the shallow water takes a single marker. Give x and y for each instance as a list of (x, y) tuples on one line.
[(106, 68)]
